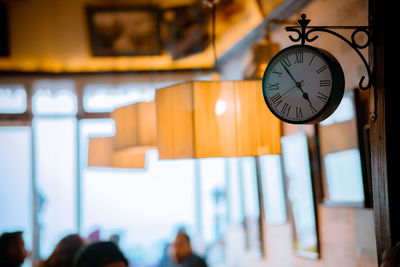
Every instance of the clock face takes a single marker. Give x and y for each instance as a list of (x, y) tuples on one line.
[(303, 84)]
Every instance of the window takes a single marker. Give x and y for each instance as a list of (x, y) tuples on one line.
[(12, 99), (343, 176), (300, 194), (54, 105), (107, 97), (54, 98), (113, 203), (213, 197), (341, 163), (273, 189), (16, 207)]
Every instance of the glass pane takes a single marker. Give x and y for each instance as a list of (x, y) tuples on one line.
[(300, 194), (113, 204), (15, 182), (12, 99), (213, 197), (54, 98), (106, 97), (344, 112), (273, 189), (344, 176), (251, 206), (112, 201), (236, 207), (55, 153), (93, 128)]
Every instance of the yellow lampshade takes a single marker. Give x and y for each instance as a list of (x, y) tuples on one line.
[(102, 154), (134, 135), (135, 125), (261, 53), (215, 119)]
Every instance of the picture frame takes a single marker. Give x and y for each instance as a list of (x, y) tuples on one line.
[(301, 195), (344, 179), (188, 30), (124, 31), (4, 45)]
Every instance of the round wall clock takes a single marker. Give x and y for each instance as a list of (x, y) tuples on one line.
[(303, 84)]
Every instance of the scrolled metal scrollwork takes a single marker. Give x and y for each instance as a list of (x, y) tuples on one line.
[(304, 32)]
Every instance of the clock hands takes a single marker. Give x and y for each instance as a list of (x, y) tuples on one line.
[(298, 85), (290, 90)]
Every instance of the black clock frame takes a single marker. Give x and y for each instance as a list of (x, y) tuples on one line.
[(337, 85)]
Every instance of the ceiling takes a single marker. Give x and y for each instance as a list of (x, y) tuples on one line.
[(68, 36)]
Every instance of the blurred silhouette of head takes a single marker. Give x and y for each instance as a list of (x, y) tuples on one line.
[(12, 248), (101, 254), (182, 247), (391, 257), (65, 251)]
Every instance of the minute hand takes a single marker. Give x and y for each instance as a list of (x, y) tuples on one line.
[(298, 85)]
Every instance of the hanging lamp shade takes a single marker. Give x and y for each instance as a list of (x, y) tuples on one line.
[(135, 125), (134, 136), (261, 53), (102, 154), (215, 119)]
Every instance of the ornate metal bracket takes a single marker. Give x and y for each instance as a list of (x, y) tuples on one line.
[(303, 31)]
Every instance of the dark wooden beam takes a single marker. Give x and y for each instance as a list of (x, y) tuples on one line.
[(383, 140)]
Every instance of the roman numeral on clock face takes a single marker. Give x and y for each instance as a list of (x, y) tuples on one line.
[(285, 61), (285, 109), (274, 86), (277, 72), (321, 69), (299, 113), (276, 99), (322, 97), (299, 57), (323, 83), (311, 60)]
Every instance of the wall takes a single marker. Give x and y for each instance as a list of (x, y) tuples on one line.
[(346, 235)]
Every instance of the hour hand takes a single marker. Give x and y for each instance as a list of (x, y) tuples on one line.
[(290, 90)]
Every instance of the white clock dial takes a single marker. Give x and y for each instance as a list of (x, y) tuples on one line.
[(298, 84)]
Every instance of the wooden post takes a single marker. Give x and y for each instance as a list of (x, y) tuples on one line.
[(385, 178)]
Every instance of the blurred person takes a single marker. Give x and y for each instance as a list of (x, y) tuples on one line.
[(167, 256), (100, 254), (391, 257), (64, 253), (12, 249), (183, 254)]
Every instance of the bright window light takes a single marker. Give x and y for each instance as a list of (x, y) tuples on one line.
[(107, 97), (15, 182), (12, 99), (54, 98), (344, 112), (273, 190), (344, 176)]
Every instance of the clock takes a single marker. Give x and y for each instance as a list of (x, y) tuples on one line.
[(303, 84)]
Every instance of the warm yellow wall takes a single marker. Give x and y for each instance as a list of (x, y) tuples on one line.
[(52, 36)]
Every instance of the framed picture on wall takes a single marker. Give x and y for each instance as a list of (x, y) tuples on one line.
[(188, 30), (124, 31), (252, 202), (4, 49), (341, 160), (301, 195)]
